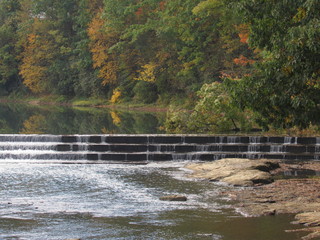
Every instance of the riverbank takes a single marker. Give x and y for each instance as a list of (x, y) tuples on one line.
[(90, 103), (292, 188), (102, 103)]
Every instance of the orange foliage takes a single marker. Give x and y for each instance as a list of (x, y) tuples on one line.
[(231, 76), (139, 12), (243, 61), (243, 33), (244, 37), (162, 5), (101, 39)]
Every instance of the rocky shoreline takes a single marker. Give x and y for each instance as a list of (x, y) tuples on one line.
[(265, 190)]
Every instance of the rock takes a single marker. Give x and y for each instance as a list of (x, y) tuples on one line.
[(205, 234), (314, 235), (286, 196), (315, 232), (310, 219), (264, 201), (270, 212), (235, 171), (178, 198), (248, 178)]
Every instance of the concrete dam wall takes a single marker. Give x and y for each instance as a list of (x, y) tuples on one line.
[(143, 148)]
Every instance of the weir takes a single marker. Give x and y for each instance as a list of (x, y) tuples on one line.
[(143, 148)]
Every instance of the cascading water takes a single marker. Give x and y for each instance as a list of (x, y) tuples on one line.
[(138, 148), (232, 140), (277, 148), (254, 139), (112, 201), (287, 140), (253, 148), (317, 148)]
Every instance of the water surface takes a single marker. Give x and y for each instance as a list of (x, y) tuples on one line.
[(46, 200), (121, 201), (26, 119)]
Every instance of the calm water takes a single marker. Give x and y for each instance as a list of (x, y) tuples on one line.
[(112, 201), (22, 118)]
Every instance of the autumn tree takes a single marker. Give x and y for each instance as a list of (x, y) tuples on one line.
[(101, 40), (36, 59), (60, 30), (86, 83)]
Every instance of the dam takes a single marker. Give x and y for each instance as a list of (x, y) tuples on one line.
[(109, 186), (154, 147)]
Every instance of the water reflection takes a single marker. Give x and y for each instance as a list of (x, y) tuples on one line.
[(27, 119)]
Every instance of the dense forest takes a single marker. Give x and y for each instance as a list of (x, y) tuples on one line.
[(237, 64)]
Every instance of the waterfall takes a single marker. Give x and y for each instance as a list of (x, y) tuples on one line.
[(287, 140), (317, 147), (255, 139), (202, 148), (138, 148), (253, 148), (277, 148), (232, 139)]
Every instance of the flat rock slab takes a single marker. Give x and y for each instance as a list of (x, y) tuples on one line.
[(235, 171), (284, 196), (310, 219)]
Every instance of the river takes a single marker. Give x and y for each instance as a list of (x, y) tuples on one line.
[(113, 201), (23, 118)]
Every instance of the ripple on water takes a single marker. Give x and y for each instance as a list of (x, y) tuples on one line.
[(56, 201)]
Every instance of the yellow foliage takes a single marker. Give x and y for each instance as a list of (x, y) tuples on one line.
[(147, 73), (115, 96), (33, 125), (206, 6), (314, 83), (115, 118), (36, 56), (108, 72), (301, 14), (101, 39), (104, 130)]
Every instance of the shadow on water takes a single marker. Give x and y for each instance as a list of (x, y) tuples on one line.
[(28, 119)]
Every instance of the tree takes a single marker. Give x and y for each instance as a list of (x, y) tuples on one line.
[(9, 77), (101, 40), (86, 82), (285, 88), (214, 112), (36, 58)]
